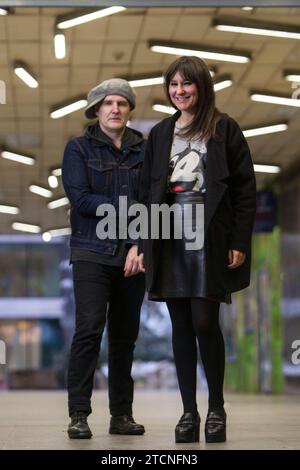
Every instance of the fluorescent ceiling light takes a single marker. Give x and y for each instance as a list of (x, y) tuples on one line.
[(265, 130), (222, 82), (247, 8), (162, 108), (62, 201), (46, 236), (22, 71), (17, 157), (53, 181), (273, 99), (26, 227), (68, 108), (34, 188), (9, 209), (266, 168), (204, 52), (56, 172), (292, 75), (60, 232), (146, 82), (69, 22), (59, 45), (258, 28)]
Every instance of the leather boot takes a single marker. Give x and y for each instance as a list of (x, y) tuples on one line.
[(125, 424), (78, 427)]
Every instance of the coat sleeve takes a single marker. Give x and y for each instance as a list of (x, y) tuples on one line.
[(242, 188), (76, 182), (145, 180)]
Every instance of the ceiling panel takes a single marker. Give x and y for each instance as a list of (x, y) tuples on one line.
[(117, 46)]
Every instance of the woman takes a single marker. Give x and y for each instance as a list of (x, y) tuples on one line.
[(198, 159)]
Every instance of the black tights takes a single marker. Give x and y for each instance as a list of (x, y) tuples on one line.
[(191, 319)]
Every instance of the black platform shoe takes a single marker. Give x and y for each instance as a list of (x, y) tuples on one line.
[(125, 424), (78, 427), (215, 426), (187, 429)]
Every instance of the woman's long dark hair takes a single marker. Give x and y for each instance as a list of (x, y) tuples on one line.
[(194, 69)]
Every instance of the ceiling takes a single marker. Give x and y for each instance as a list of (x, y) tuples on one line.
[(117, 46)]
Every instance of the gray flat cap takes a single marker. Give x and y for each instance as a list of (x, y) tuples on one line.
[(114, 86)]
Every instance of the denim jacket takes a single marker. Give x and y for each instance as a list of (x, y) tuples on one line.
[(95, 172)]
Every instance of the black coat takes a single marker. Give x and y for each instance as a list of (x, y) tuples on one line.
[(229, 207)]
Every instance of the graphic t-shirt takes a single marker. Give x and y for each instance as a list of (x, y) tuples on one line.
[(187, 163)]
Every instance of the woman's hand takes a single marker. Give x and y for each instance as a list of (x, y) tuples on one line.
[(235, 258), (134, 263)]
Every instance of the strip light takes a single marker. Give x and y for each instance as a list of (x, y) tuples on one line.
[(205, 53), (22, 71), (9, 209), (273, 99), (162, 108), (222, 83), (26, 227), (292, 75), (34, 188), (257, 28), (60, 232), (16, 157), (266, 168), (56, 172), (265, 130), (146, 82), (53, 181), (65, 23), (59, 45), (62, 201), (68, 109)]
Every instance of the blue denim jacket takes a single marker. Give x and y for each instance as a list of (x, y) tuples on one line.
[(94, 172)]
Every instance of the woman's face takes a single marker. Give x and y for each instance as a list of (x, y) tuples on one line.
[(183, 93)]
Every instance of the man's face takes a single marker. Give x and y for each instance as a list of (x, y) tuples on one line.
[(113, 113)]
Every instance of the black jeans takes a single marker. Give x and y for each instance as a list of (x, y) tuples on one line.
[(96, 286)]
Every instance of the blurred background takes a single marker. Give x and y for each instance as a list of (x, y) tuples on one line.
[(48, 63)]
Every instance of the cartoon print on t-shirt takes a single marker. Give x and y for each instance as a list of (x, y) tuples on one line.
[(186, 171)]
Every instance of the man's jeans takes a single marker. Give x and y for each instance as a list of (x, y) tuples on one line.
[(96, 285)]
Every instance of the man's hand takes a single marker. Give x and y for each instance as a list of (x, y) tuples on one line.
[(235, 258), (134, 263)]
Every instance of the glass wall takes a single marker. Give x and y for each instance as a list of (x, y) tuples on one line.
[(29, 270)]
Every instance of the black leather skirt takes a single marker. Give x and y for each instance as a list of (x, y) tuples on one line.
[(181, 268)]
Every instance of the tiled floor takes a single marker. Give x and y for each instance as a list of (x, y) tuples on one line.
[(38, 420)]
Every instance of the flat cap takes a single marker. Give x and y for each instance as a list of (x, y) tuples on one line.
[(113, 86)]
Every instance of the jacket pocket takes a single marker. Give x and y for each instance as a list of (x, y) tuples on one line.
[(101, 176)]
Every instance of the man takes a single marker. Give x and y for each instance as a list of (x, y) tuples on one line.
[(98, 167)]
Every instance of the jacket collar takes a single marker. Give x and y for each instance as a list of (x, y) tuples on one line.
[(131, 140)]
